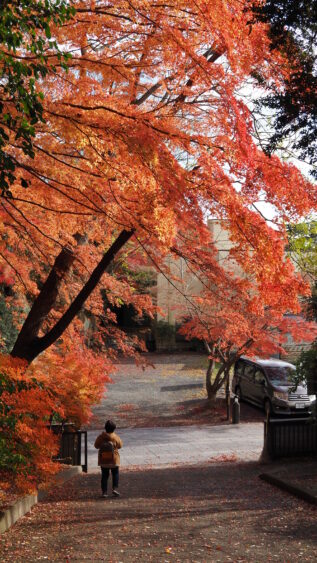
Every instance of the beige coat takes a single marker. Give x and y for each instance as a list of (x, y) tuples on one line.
[(117, 442)]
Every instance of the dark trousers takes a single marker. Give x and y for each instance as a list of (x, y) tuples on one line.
[(105, 476)]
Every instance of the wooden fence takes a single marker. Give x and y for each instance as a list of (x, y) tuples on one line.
[(290, 437), (72, 445)]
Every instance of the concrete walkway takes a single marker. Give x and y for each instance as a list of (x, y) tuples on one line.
[(187, 445), (207, 513)]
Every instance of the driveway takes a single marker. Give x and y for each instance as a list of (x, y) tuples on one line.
[(217, 512), (169, 392), (162, 416), (190, 492)]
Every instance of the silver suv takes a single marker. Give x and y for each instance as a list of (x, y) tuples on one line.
[(268, 384)]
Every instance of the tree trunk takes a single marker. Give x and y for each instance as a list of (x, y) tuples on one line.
[(212, 395), (27, 341), (212, 388), (209, 386), (28, 344)]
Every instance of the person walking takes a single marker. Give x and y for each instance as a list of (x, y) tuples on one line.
[(108, 443)]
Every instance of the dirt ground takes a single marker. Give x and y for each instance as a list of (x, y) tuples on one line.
[(170, 392), (217, 512)]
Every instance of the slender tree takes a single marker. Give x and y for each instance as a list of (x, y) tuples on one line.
[(232, 320)]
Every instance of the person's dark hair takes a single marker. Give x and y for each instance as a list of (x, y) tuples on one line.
[(110, 426)]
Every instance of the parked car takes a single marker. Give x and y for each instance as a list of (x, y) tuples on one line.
[(268, 384)]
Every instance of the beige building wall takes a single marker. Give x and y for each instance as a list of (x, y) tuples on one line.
[(170, 296)]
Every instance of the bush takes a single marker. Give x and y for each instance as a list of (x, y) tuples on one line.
[(26, 443), (306, 368), (62, 384)]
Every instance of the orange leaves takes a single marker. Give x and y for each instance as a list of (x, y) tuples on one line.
[(63, 386), (149, 133), (26, 444), (144, 105), (14, 367), (6, 275), (76, 377)]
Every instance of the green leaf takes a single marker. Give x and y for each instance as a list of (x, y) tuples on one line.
[(48, 32)]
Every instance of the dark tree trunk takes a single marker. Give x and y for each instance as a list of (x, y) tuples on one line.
[(29, 345), (209, 384), (27, 341)]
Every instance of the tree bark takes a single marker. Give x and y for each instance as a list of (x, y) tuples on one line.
[(221, 378), (28, 344), (209, 385), (28, 336)]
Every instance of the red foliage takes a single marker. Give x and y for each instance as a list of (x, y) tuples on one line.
[(147, 133), (27, 445), (60, 384)]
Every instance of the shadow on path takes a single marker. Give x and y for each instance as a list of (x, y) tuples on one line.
[(217, 512)]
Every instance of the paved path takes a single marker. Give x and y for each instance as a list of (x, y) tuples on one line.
[(172, 394), (217, 512), (187, 445)]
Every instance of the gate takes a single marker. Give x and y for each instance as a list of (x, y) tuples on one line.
[(72, 447), (290, 437)]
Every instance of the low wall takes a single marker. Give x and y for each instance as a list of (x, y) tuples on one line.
[(10, 515)]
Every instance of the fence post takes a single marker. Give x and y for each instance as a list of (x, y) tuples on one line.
[(85, 466), (236, 411)]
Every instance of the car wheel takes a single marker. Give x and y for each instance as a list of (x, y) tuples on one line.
[(238, 394), (267, 408)]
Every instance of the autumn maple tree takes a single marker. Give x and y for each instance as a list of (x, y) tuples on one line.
[(231, 320), (146, 132), (145, 135)]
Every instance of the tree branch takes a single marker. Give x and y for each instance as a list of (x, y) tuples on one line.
[(42, 305), (28, 345)]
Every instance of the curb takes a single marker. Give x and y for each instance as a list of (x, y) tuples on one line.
[(9, 516), (287, 486)]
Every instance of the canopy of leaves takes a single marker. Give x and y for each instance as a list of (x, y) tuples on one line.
[(147, 133), (292, 30), (25, 36), (146, 136)]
